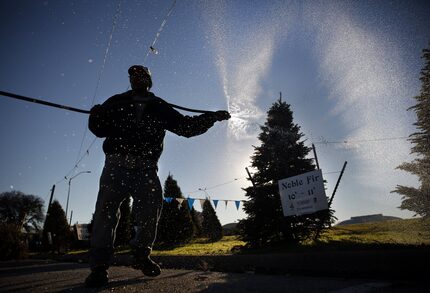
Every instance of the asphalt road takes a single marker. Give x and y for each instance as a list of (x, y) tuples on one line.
[(50, 276)]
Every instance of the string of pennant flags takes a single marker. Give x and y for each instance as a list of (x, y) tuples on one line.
[(191, 201)]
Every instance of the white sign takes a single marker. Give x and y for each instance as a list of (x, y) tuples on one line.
[(82, 232), (303, 194)]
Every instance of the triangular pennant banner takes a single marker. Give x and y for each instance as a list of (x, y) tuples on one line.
[(202, 201), (237, 202), (180, 201), (226, 202), (168, 199), (190, 202), (215, 202)]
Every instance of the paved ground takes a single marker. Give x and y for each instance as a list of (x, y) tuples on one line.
[(49, 276), (379, 263)]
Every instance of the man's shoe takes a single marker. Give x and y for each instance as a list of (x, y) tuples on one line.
[(97, 278), (148, 267), (143, 262)]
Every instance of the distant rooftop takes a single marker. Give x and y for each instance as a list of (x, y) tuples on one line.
[(368, 219)]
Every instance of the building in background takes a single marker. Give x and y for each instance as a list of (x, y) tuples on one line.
[(368, 219), (82, 232)]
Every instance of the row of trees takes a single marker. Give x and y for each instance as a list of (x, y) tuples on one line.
[(22, 215), (178, 223)]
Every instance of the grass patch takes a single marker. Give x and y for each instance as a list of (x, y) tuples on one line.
[(79, 251), (407, 232), (201, 246), (394, 234), (198, 246), (380, 235)]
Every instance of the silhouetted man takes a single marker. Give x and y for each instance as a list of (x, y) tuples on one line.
[(134, 124)]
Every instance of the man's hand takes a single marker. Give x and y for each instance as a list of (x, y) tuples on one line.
[(222, 115)]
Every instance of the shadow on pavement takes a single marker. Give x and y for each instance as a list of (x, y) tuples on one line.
[(36, 285), (122, 283), (237, 283), (31, 268), (111, 286)]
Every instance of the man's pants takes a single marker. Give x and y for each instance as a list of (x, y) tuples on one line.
[(118, 181)]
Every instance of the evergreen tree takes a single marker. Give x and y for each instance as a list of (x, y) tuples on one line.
[(175, 225), (56, 224), (197, 219), (211, 226), (418, 199), (123, 230), (281, 154)]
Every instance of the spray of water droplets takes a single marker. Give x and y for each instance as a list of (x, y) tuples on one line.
[(244, 53), (367, 80)]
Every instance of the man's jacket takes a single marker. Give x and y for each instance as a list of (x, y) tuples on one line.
[(136, 123)]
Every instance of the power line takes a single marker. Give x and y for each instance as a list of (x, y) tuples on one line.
[(234, 180), (99, 77), (87, 153), (208, 197), (333, 172), (326, 142), (216, 186), (79, 158), (46, 196)]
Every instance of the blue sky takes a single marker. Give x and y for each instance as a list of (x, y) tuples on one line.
[(349, 69)]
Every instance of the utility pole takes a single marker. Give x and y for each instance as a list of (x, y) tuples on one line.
[(71, 215), (50, 199), (68, 193), (47, 233), (316, 157), (249, 176), (337, 183)]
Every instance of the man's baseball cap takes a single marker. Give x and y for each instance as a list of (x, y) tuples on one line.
[(139, 70)]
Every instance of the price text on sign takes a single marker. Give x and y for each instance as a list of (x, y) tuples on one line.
[(303, 194)]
